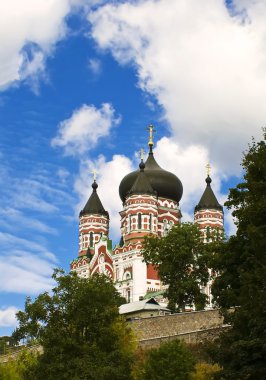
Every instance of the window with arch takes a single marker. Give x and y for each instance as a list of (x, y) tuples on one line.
[(82, 240), (150, 222), (128, 295), (91, 239), (139, 221), (127, 275)]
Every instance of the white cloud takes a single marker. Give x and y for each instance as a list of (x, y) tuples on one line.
[(63, 174), (206, 68), (95, 66), (189, 164), (81, 132), (28, 34), (8, 316)]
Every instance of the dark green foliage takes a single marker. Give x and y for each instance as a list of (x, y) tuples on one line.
[(242, 282), (80, 329), (182, 261), (171, 361)]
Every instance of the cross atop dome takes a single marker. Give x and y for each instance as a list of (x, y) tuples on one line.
[(94, 173), (208, 168), (141, 154), (151, 129)]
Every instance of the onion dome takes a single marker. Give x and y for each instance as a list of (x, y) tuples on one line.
[(164, 183), (208, 199), (94, 205), (142, 184)]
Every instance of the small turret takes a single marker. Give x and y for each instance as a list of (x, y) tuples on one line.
[(94, 204), (208, 199), (208, 213), (93, 223)]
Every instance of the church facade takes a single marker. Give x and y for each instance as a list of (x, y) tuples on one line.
[(150, 205)]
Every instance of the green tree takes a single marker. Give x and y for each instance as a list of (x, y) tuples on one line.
[(181, 258), (80, 330), (242, 280), (171, 361)]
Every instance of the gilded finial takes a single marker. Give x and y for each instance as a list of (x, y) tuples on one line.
[(94, 172), (208, 167), (151, 129)]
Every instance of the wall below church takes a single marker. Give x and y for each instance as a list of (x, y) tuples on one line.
[(187, 326)]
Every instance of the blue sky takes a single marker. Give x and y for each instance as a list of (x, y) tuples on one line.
[(79, 82)]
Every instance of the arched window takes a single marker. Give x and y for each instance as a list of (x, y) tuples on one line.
[(150, 222), (130, 223), (139, 221), (91, 239), (128, 295), (82, 242)]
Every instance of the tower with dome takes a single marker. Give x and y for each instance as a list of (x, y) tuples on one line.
[(150, 199)]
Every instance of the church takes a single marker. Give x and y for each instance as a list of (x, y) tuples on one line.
[(150, 198)]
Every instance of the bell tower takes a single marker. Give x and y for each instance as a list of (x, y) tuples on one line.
[(208, 213), (93, 222)]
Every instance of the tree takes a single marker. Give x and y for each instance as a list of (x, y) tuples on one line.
[(181, 259), (171, 361), (79, 327), (242, 280)]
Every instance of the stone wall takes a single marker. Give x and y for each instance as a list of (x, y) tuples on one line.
[(191, 327)]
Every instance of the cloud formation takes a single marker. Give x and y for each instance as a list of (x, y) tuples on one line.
[(204, 63), (8, 316), (81, 132), (28, 206), (28, 34), (26, 266)]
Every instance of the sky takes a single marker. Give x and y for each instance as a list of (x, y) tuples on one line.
[(80, 80)]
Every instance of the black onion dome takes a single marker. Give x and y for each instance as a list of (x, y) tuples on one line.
[(164, 183), (94, 204), (208, 199)]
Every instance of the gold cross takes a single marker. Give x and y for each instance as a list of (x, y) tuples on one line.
[(208, 167), (94, 172), (151, 129), (142, 153)]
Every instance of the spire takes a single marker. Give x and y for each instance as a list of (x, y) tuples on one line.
[(208, 199), (94, 205)]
